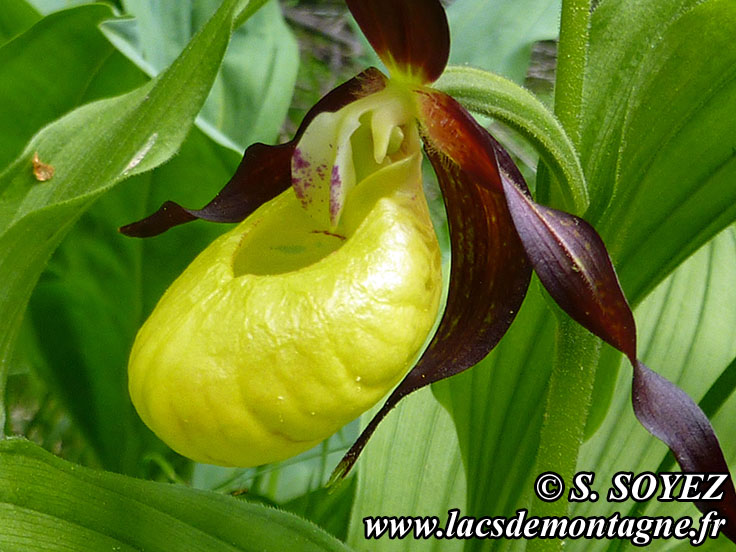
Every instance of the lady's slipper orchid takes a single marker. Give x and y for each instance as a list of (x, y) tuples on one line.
[(498, 233)]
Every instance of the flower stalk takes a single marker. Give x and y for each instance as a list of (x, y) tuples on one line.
[(577, 351), (566, 412), (572, 58)]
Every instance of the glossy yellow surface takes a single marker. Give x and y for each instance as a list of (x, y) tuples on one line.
[(279, 333)]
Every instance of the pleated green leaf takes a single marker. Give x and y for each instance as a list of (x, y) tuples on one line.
[(622, 35), (674, 166), (421, 473), (49, 505), (15, 17)]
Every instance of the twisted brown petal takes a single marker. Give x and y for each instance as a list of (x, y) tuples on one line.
[(669, 414), (489, 274), (264, 172), (573, 264), (410, 36)]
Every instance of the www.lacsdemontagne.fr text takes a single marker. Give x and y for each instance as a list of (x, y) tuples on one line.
[(640, 531)]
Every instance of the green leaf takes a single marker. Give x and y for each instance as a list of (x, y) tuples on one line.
[(50, 6), (622, 35), (328, 508), (59, 506), (675, 160), (57, 65), (84, 335), (409, 473), (497, 97), (506, 28), (91, 149), (15, 17), (261, 62)]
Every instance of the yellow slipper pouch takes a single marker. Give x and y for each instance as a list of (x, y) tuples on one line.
[(281, 332)]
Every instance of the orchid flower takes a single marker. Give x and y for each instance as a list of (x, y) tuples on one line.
[(498, 233)]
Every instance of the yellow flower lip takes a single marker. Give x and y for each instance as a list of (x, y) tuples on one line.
[(241, 364)]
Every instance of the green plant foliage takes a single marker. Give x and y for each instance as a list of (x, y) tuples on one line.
[(676, 153), (49, 6), (16, 17), (393, 459), (330, 509), (86, 339), (60, 506), (506, 29), (60, 62), (622, 36), (261, 62), (674, 170)]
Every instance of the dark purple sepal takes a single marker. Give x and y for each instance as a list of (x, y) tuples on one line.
[(669, 414), (448, 127), (572, 263), (489, 274), (264, 172), (410, 36)]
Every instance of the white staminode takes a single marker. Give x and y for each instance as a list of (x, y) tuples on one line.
[(334, 154)]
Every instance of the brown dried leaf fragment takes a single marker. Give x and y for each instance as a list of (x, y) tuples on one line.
[(42, 171)]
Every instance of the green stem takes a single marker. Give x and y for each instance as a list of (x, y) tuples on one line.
[(573, 372), (572, 57), (566, 413)]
